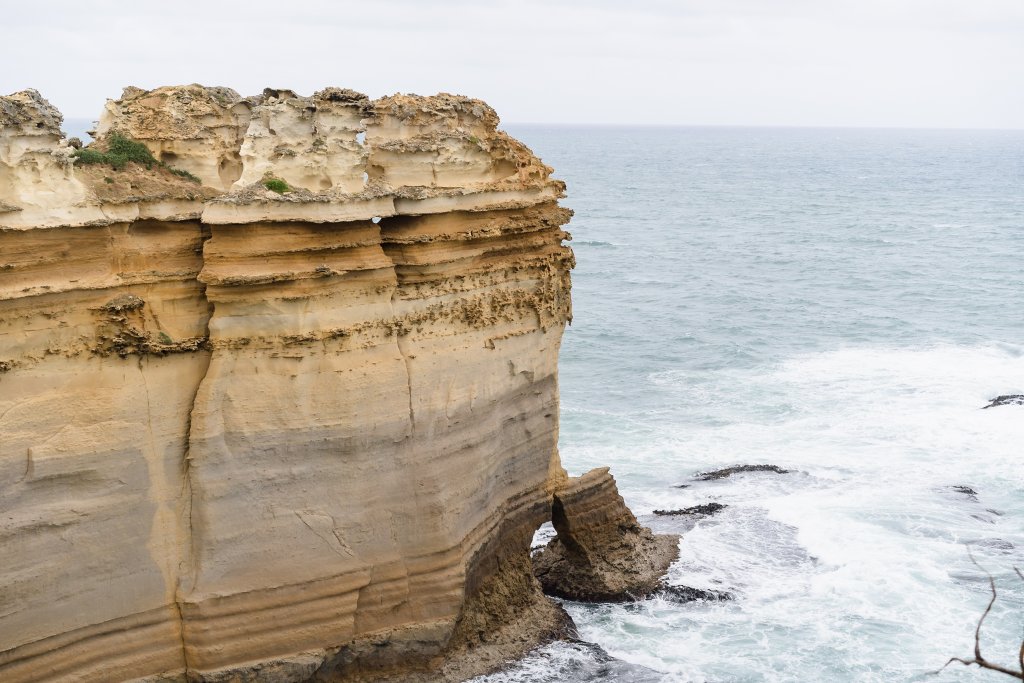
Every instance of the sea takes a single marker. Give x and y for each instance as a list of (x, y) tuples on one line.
[(838, 303)]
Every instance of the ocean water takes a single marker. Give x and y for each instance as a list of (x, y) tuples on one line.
[(840, 303)]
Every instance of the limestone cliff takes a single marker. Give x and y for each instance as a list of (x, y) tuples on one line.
[(302, 434)]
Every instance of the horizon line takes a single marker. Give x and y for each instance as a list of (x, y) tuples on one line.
[(787, 126), (821, 126)]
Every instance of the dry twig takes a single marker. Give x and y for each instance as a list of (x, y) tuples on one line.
[(979, 660)]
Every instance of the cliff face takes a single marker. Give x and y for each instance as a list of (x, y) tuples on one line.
[(254, 435)]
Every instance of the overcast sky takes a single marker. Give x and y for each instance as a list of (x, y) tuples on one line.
[(908, 63)]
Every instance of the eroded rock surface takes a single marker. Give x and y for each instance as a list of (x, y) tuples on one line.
[(276, 436), (601, 553)]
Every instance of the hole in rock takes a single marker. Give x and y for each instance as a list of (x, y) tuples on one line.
[(504, 169), (539, 540), (229, 169), (375, 219), (366, 178), (541, 537), (361, 138), (560, 521)]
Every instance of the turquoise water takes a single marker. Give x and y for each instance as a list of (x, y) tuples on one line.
[(837, 302)]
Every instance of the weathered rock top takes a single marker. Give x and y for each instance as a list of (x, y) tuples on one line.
[(29, 111), (353, 156)]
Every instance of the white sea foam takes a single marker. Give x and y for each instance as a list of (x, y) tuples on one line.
[(862, 549)]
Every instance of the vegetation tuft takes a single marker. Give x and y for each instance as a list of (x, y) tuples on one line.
[(121, 150), (276, 185), (182, 173)]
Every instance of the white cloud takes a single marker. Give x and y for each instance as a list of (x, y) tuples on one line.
[(786, 62)]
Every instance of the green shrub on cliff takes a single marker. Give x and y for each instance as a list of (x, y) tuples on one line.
[(276, 185), (121, 150), (182, 173)]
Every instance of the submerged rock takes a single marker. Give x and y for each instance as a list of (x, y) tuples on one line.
[(690, 594), (601, 553), (1005, 400), (705, 509), (739, 469), (966, 490)]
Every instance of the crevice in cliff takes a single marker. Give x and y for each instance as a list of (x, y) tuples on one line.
[(400, 333), (188, 563), (408, 380)]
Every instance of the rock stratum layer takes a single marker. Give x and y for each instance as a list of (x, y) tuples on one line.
[(284, 436)]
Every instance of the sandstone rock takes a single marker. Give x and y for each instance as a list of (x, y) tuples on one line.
[(37, 184), (601, 553), (195, 128), (251, 435), (309, 142)]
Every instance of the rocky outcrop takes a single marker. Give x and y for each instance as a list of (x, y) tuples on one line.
[(738, 469), (1006, 400), (702, 510), (280, 402), (601, 552)]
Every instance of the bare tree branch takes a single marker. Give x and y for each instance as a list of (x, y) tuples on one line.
[(1020, 657), (979, 660)]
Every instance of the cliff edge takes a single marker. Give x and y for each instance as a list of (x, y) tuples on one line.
[(278, 388)]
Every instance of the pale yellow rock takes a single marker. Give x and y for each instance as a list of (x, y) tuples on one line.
[(309, 142), (37, 184), (195, 128), (257, 436)]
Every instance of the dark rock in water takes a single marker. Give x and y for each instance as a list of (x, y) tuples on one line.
[(1006, 400), (601, 552), (681, 486), (690, 594), (966, 490), (739, 469), (705, 509)]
